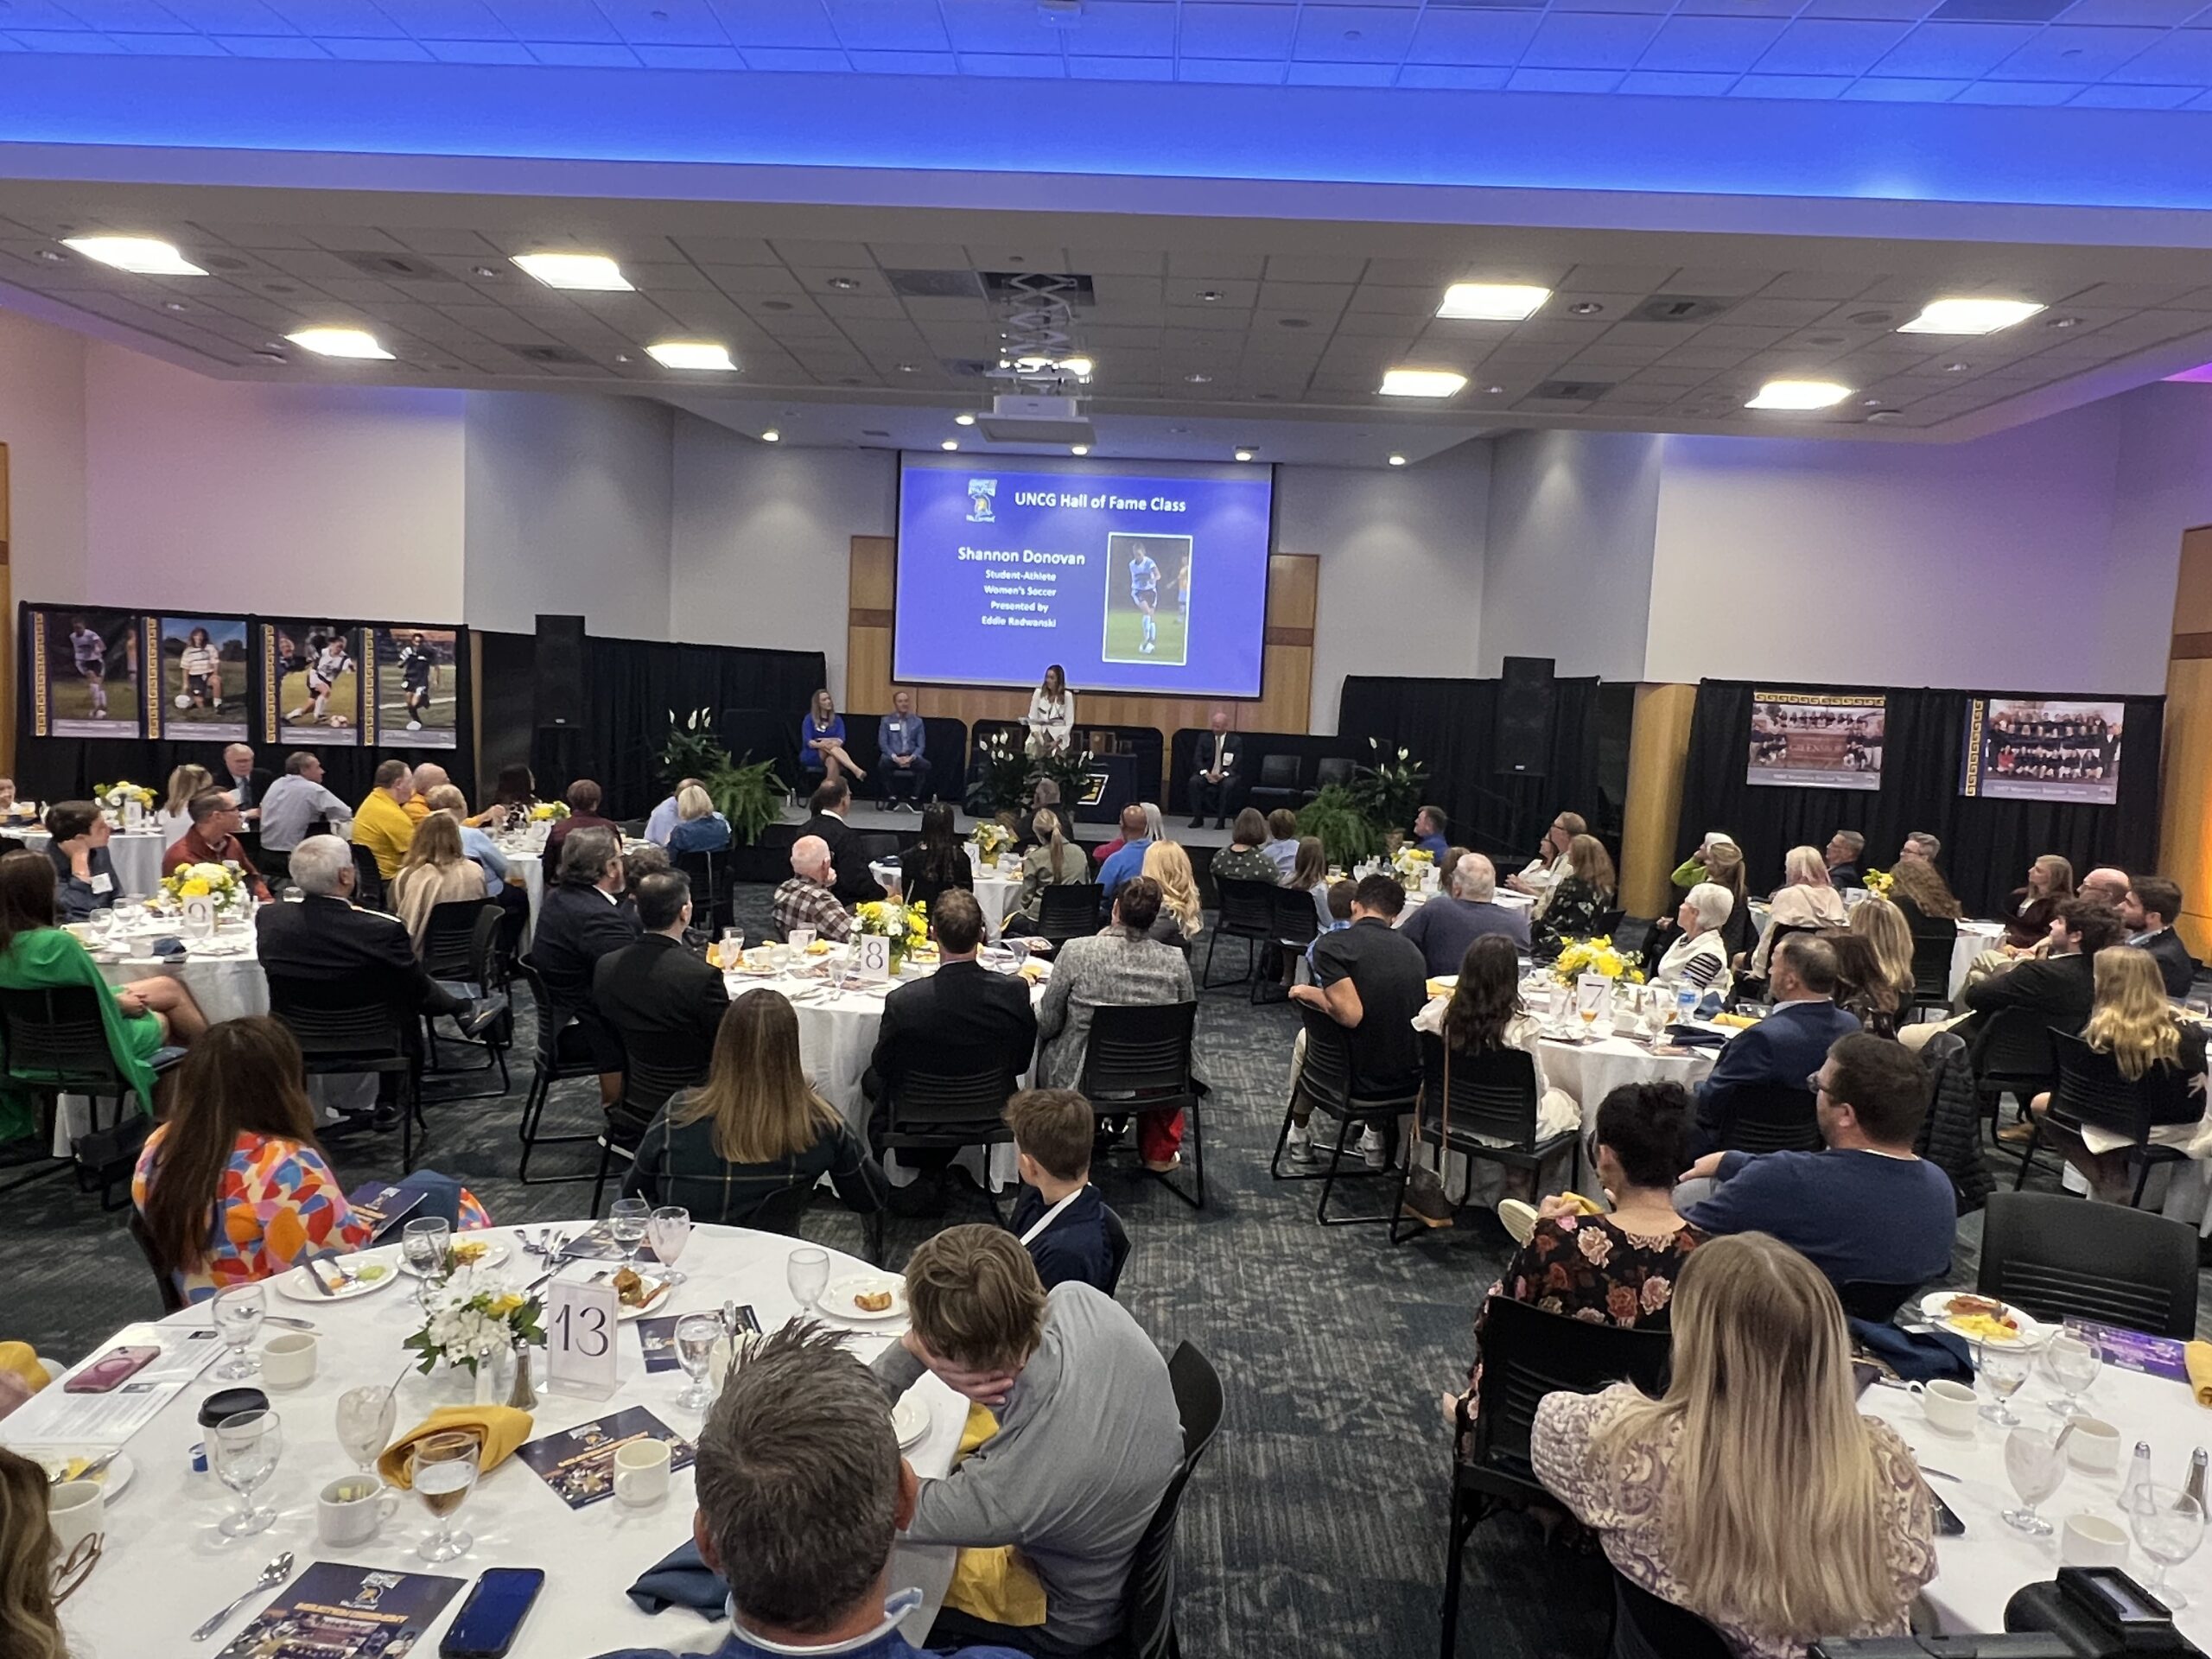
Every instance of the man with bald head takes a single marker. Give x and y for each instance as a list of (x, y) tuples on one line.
[(1217, 754), (810, 898), (2106, 885), (1448, 924), (427, 776)]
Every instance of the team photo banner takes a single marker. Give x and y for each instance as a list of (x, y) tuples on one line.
[(2032, 749), (1820, 739)]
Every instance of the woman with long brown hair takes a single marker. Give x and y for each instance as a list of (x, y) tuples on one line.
[(1752, 1493), (2049, 884), (1580, 895), (937, 861), (30, 1625), (1484, 1012), (754, 1130), (435, 872), (1923, 897)]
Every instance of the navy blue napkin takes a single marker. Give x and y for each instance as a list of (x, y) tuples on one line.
[(168, 947), (681, 1579)]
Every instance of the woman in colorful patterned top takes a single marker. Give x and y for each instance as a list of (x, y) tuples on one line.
[(235, 1187)]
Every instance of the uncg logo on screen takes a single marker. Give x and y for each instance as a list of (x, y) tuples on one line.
[(979, 493)]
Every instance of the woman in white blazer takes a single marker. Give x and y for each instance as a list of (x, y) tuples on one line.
[(1052, 715)]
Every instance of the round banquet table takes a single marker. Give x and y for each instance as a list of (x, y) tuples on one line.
[(1974, 938), (1415, 898), (995, 890), (1977, 1572), (166, 1567), (1590, 1071), (136, 854)]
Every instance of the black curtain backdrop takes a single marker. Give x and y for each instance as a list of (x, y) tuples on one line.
[(1446, 726), (1987, 845)]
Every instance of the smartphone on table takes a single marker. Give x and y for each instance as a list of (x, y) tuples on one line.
[(489, 1619)]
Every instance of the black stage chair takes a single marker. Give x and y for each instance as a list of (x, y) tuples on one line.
[(1148, 1602), (56, 1045), (1770, 1117), (2053, 1255), (645, 1089), (2011, 1053), (941, 1097), (345, 1028), (1330, 769), (1327, 1080), (1493, 1115), (1068, 911), (1527, 1354), (1277, 785), (561, 1056), (165, 1286), (1647, 1627), (1248, 912), (1138, 1060), (2091, 1092)]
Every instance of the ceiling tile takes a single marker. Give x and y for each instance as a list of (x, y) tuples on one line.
[(1955, 49), (1564, 80), (1012, 65), (2080, 55), (1710, 43), (904, 63), (1905, 89), (1473, 37), (1675, 83), (1588, 42), (795, 23), (1354, 34), (2155, 14), (1256, 72), (2183, 58), (1817, 46)]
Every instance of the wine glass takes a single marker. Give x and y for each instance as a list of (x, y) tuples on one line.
[(807, 1276), (2001, 1368), (243, 1449), (780, 958), (2167, 1524), (669, 1229), (2034, 1466), (2073, 1362), (422, 1243), (445, 1473), (366, 1418), (696, 1337), (627, 1221), (237, 1315), (1019, 944)]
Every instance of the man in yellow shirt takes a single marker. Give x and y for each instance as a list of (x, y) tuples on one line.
[(427, 776), (382, 824)]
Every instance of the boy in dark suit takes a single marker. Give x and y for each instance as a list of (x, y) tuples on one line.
[(1061, 1221)]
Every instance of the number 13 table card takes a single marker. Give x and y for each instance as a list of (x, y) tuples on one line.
[(580, 1320)]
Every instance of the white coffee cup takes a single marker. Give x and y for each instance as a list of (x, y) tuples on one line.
[(1948, 1406), (349, 1511), (641, 1471), (2091, 1541), (288, 1360), (75, 1511), (2094, 1447)]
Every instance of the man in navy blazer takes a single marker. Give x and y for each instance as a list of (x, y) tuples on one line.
[(1784, 1048)]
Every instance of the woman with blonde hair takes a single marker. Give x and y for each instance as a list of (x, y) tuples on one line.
[(435, 872), (1807, 899), (173, 816), (754, 1131), (1752, 1493), (2132, 1020), (1882, 925), (1579, 897), (35, 1576), (699, 828), (1054, 861), (2049, 884), (1181, 918)]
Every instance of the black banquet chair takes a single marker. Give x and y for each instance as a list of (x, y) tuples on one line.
[(1137, 1059), (1330, 769), (368, 880), (645, 1089), (1770, 1117), (1328, 1081), (2011, 1055), (56, 1044), (561, 1056), (1148, 1596), (941, 1097), (1248, 912), (343, 1032), (1489, 1113), (2054, 1254), (1068, 911), (2092, 1093)]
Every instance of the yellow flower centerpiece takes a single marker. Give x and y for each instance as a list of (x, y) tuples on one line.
[(210, 881), (991, 838), (1878, 882), (1412, 863), (1595, 956), (904, 925), (115, 795), (548, 811)]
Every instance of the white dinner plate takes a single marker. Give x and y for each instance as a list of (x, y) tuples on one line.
[(1934, 1309), (910, 1421), (372, 1269), (112, 1479), (662, 1290), (837, 1297), (498, 1251)]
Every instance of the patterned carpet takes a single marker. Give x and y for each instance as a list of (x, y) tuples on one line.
[(1316, 1524)]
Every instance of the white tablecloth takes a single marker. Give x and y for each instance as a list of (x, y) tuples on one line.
[(1590, 1071), (166, 1566), (1415, 898), (223, 973), (1977, 1571), (136, 854), (1974, 937), (995, 890)]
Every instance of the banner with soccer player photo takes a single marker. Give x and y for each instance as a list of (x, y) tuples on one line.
[(84, 679), (1824, 739), (198, 685), (418, 687), (311, 679)]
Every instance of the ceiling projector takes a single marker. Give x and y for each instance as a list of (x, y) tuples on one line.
[(1017, 418)]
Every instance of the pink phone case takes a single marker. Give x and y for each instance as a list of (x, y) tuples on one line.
[(110, 1369)]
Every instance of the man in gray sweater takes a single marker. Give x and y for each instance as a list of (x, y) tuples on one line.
[(1089, 1434)]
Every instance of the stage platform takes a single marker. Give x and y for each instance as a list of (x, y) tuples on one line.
[(906, 824)]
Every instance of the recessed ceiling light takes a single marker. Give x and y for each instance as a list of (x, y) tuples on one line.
[(692, 354), (48, 253), (906, 368), (1586, 308), (1492, 302), (142, 256), (1397, 460), (173, 305), (1293, 322), (844, 284), (1080, 368), (1970, 316), (776, 305), (1198, 379), (1956, 368), (771, 437), (2063, 323), (590, 273), (949, 443), (1495, 392), (963, 418), (1883, 415), (1243, 454), (1078, 449), (340, 342), (1421, 383), (483, 270), (1210, 294), (1799, 394), (621, 357)]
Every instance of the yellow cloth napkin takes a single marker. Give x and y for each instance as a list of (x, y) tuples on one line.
[(499, 1431), (993, 1583), (17, 1359), (2198, 1356)]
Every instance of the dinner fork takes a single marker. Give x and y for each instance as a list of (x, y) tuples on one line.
[(271, 1575)]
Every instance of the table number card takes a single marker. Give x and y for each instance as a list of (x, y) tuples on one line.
[(872, 954), (199, 916), (580, 1320)]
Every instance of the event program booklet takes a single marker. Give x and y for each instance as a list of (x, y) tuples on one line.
[(336, 1611), (578, 1463), (2133, 1351), (55, 1416)]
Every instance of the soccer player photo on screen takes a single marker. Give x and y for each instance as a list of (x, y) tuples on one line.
[(316, 672), (416, 705), (87, 670), (1147, 598), (203, 664)]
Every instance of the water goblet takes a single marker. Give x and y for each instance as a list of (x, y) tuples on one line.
[(806, 1274), (1019, 944), (696, 1337), (2167, 1524), (627, 1221), (365, 1420), (2001, 1368), (668, 1230), (238, 1314), (243, 1449), (2073, 1362), (423, 1243), (2034, 1466), (444, 1475)]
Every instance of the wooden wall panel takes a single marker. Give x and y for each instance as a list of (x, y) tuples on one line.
[(2185, 774), (1658, 749), (7, 632), (1287, 677)]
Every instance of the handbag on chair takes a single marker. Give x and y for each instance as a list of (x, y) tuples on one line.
[(1425, 1197)]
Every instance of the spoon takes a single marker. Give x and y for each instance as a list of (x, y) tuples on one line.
[(271, 1575)]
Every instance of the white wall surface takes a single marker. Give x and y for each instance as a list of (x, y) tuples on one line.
[(569, 500), (1402, 566), (42, 423), (1567, 569), (246, 497)]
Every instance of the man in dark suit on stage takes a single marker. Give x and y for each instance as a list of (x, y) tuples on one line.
[(1220, 753), (581, 920), (829, 804), (660, 996), (963, 1005)]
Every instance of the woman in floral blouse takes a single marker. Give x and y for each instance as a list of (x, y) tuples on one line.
[(235, 1187), (1578, 898), (1616, 1269)]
